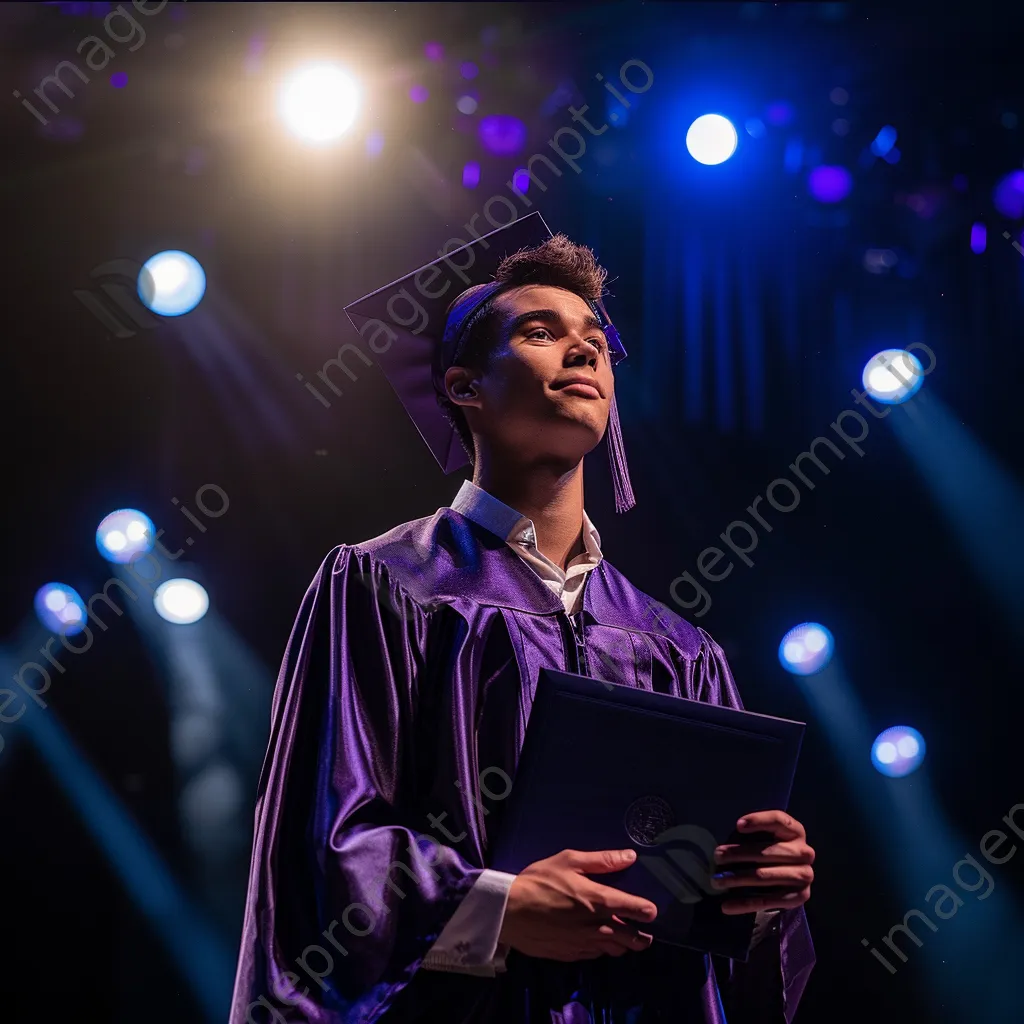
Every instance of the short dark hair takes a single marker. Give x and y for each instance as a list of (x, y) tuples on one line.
[(559, 263)]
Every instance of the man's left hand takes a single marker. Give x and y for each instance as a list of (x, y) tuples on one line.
[(781, 860)]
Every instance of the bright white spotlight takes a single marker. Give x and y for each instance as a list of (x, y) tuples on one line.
[(806, 649), (60, 608), (181, 601), (124, 534), (898, 751), (318, 103), (171, 283), (711, 139), (893, 376)]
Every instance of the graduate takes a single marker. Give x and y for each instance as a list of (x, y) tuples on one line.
[(405, 691)]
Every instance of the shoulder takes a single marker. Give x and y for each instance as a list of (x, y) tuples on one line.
[(413, 556), (617, 602)]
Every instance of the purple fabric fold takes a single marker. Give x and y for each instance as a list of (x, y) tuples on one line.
[(400, 707)]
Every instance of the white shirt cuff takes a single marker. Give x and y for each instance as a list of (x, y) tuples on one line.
[(469, 941)]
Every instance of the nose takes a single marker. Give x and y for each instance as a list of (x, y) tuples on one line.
[(585, 352)]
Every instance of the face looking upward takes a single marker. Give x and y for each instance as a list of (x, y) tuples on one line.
[(529, 401)]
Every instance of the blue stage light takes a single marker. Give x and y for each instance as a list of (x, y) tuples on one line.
[(893, 376), (884, 141), (181, 601), (711, 139), (806, 648), (60, 608), (124, 534), (898, 751), (171, 283)]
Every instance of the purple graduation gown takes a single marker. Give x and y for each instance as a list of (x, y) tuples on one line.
[(409, 672)]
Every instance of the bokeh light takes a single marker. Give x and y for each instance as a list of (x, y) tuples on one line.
[(893, 376), (60, 608), (884, 141), (711, 139), (880, 261), (898, 751), (172, 283), (806, 649), (829, 184), (318, 102), (502, 134), (1009, 195), (181, 601), (124, 534)]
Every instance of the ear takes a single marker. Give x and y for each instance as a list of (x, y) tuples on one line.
[(461, 386)]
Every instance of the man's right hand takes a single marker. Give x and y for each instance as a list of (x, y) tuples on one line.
[(554, 911)]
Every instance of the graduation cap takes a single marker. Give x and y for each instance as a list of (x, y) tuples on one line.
[(427, 318)]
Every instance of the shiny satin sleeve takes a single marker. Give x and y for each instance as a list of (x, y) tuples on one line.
[(766, 989), (345, 896)]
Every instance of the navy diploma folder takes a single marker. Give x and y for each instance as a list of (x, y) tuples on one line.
[(606, 767)]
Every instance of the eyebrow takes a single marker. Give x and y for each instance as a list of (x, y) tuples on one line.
[(550, 316)]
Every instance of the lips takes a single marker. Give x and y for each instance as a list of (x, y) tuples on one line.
[(584, 390), (584, 386)]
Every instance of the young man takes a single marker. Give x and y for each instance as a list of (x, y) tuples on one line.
[(406, 689)]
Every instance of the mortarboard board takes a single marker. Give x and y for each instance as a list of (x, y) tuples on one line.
[(427, 328)]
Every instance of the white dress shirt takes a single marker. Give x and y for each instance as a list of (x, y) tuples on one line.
[(469, 942)]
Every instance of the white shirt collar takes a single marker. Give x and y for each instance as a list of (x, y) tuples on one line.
[(487, 511)]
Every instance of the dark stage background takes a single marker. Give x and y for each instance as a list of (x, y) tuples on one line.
[(749, 307)]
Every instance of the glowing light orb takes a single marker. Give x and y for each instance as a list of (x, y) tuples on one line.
[(60, 608), (884, 141), (898, 751), (502, 134), (124, 534), (829, 184), (172, 283), (806, 649), (893, 376), (1009, 195), (711, 139), (318, 103), (181, 601)]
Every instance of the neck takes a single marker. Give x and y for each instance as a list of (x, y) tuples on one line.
[(549, 495)]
